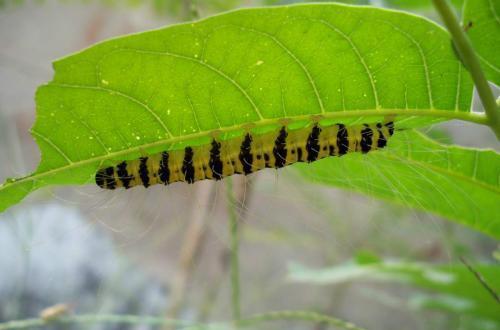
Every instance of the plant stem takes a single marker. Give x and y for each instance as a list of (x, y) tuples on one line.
[(471, 62), (189, 11), (233, 231), (299, 315), (94, 318), (88, 319), (191, 248), (481, 280), (243, 192)]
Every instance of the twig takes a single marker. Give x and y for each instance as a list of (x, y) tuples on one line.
[(235, 270), (152, 320), (299, 315), (243, 193), (191, 248), (189, 10), (94, 318), (471, 62), (481, 280)]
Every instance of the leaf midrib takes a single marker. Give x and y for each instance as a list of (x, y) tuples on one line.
[(467, 116)]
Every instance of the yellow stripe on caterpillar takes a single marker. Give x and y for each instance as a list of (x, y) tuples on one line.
[(246, 155)]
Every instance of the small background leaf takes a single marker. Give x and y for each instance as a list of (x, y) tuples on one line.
[(450, 288), (485, 34)]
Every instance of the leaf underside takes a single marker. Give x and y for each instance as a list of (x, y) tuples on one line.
[(163, 89), (459, 183)]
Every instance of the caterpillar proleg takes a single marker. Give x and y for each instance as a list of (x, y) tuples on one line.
[(245, 155)]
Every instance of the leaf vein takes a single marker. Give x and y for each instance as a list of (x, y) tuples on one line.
[(53, 145), (358, 55), (116, 92), (294, 58), (214, 69), (422, 57)]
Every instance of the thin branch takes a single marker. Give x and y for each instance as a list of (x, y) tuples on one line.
[(243, 187), (299, 315), (155, 321), (94, 318), (189, 10), (235, 237), (193, 239), (471, 61), (481, 280)]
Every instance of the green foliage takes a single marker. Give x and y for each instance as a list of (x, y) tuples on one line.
[(482, 21), (165, 88), (496, 254), (171, 87), (454, 182), (252, 322), (447, 288), (400, 4)]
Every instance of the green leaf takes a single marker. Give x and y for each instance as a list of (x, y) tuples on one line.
[(450, 288), (289, 2), (162, 89), (399, 4), (496, 254), (482, 21), (459, 183)]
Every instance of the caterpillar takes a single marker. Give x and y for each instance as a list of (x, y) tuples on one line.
[(245, 155)]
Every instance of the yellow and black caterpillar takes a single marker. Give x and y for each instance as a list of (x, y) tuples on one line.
[(246, 155)]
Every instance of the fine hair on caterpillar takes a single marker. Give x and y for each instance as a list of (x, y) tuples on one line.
[(246, 154)]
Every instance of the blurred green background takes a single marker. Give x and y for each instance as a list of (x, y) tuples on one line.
[(164, 251)]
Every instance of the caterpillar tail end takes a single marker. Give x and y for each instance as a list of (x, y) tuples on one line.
[(105, 179), (100, 178)]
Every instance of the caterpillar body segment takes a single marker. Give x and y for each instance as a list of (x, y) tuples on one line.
[(245, 155)]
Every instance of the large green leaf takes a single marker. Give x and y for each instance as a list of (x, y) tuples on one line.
[(161, 89), (451, 288), (482, 19), (458, 183)]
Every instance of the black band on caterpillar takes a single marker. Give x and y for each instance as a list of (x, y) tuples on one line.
[(366, 139), (143, 171), (280, 151), (123, 175), (215, 164), (164, 170), (312, 144), (187, 165), (246, 156), (342, 139)]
